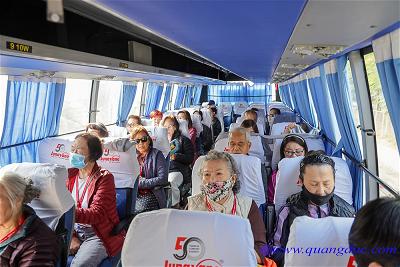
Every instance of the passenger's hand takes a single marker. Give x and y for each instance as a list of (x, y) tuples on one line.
[(75, 244), (172, 157)]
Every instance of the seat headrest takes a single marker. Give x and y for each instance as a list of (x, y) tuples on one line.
[(239, 107), (234, 125), (288, 174), (117, 131), (147, 122), (278, 128), (206, 117), (226, 108), (197, 124), (160, 138), (322, 241), (55, 199), (188, 238), (123, 165), (184, 129)]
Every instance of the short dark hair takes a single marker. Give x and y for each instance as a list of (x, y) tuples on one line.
[(200, 113), (251, 111), (135, 117), (94, 145), (293, 138), (250, 124), (98, 126), (316, 158), (377, 225), (278, 111), (138, 129), (214, 109), (187, 116), (176, 124)]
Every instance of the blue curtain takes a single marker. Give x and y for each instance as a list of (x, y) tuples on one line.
[(238, 92), (323, 106), (167, 96), (188, 96), (126, 99), (284, 92), (294, 97), (180, 94), (33, 110), (197, 94), (153, 97), (302, 99), (337, 84), (387, 56)]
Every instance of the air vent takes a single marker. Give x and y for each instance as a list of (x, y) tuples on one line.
[(323, 51), (41, 74)]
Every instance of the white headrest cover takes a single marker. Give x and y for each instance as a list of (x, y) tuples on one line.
[(197, 124), (204, 104), (55, 199), (123, 165), (117, 131), (328, 235), (196, 178), (278, 128), (160, 138), (206, 116), (288, 174), (184, 129), (240, 107), (226, 108), (158, 238), (233, 126), (147, 122)]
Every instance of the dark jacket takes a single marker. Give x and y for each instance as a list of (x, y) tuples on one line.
[(206, 140), (298, 206), (35, 244), (216, 128), (156, 174), (184, 156), (102, 211)]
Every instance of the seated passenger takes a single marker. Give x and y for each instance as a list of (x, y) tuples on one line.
[(377, 225), (184, 115), (292, 146), (133, 120), (211, 103), (25, 240), (250, 115), (251, 126), (93, 190), (239, 141), (98, 129), (153, 172), (181, 156), (293, 128), (156, 116), (220, 186), (215, 123), (271, 115), (205, 138), (317, 199)]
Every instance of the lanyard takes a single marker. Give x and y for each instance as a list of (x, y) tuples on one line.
[(233, 212), (21, 221), (79, 200)]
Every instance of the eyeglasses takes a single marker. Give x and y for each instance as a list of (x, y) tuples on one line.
[(144, 139), (131, 124), (291, 153)]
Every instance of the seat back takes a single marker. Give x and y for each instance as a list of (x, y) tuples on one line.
[(170, 237), (197, 124), (206, 116), (117, 131), (288, 175), (278, 128), (250, 177), (126, 200), (286, 117), (239, 107), (123, 165), (160, 138), (322, 241), (147, 122), (184, 129), (226, 108)]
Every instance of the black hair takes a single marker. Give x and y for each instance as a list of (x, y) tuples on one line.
[(278, 111), (200, 113), (293, 138), (213, 109), (250, 124), (94, 145), (377, 229), (176, 124), (316, 158), (98, 126), (134, 117), (251, 111), (255, 109)]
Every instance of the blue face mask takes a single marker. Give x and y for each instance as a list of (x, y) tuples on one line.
[(77, 160)]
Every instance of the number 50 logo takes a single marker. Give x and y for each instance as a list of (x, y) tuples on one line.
[(192, 248)]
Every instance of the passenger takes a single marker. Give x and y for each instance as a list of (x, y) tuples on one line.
[(93, 190), (251, 126), (133, 120), (250, 115), (205, 138), (292, 146), (98, 129), (156, 116), (153, 172), (292, 128), (317, 198), (215, 123), (272, 114), (219, 193), (239, 141), (25, 240), (184, 115), (181, 156), (211, 103), (377, 225)]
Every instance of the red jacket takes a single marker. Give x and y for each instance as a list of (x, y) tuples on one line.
[(101, 213)]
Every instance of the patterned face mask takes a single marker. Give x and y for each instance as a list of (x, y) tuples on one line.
[(217, 190)]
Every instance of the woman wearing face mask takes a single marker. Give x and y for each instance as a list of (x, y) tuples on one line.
[(292, 146), (184, 115), (93, 190), (219, 193), (153, 172), (181, 156)]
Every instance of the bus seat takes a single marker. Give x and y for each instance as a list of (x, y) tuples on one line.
[(323, 240), (160, 138), (234, 125), (147, 122), (197, 124), (250, 177), (206, 116), (288, 174), (184, 129), (188, 238), (55, 206), (285, 117), (239, 107), (226, 108), (278, 128), (204, 104), (314, 142), (117, 131), (123, 165)]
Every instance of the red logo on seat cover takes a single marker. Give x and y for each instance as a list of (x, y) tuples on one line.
[(352, 262)]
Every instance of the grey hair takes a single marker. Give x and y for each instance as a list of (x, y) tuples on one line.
[(230, 162), (240, 130), (18, 188)]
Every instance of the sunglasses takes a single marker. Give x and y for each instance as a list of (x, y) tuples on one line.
[(144, 139)]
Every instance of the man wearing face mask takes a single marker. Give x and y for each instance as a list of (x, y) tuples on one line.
[(317, 198)]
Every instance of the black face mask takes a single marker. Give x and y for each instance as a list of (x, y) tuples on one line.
[(316, 199)]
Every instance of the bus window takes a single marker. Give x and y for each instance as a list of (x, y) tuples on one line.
[(108, 100), (388, 156), (3, 92), (353, 102), (75, 113), (135, 109), (160, 105)]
